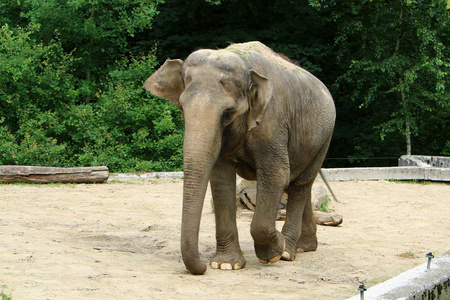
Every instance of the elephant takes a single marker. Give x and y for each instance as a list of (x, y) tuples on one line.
[(248, 111)]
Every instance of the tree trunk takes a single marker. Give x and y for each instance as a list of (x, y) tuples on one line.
[(402, 90), (405, 116), (32, 174), (408, 138)]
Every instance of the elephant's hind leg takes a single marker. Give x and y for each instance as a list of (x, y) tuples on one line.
[(300, 229), (299, 225), (228, 254), (308, 238)]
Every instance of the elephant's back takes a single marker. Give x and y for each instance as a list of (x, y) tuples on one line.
[(256, 52)]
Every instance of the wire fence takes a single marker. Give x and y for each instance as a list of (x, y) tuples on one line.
[(340, 162)]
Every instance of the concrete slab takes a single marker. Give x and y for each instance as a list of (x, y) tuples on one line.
[(143, 176), (386, 173), (337, 174), (424, 161), (415, 284)]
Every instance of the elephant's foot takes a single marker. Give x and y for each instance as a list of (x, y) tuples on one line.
[(307, 245), (267, 254), (227, 261), (273, 259), (290, 252)]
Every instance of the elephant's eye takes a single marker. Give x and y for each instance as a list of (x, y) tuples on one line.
[(227, 115)]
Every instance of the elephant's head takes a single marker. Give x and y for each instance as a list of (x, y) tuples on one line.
[(220, 99)]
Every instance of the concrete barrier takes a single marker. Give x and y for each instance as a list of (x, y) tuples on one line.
[(424, 161), (411, 167), (387, 173), (415, 284), (143, 176), (338, 174)]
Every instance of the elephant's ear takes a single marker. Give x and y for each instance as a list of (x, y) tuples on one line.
[(167, 82), (260, 94)]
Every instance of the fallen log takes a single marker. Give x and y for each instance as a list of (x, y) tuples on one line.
[(328, 219), (33, 174), (320, 218), (246, 195)]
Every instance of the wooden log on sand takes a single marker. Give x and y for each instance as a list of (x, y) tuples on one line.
[(321, 218), (32, 174)]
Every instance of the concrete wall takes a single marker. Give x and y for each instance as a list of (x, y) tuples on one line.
[(424, 161), (339, 174), (395, 173), (433, 168), (411, 167), (415, 284)]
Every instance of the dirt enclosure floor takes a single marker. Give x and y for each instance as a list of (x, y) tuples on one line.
[(121, 241)]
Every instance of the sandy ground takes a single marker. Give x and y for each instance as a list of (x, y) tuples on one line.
[(121, 241)]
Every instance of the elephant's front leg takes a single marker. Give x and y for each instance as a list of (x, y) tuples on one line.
[(271, 183), (223, 186)]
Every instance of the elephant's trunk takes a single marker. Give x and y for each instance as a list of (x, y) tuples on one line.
[(201, 149)]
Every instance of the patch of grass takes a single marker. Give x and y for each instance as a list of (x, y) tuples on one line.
[(324, 206), (414, 181), (407, 254), (52, 184), (15, 183), (116, 181), (58, 184), (377, 280), (3, 294)]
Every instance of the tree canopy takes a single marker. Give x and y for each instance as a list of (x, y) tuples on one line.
[(71, 74)]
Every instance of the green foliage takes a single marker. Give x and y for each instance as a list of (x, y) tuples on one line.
[(446, 150), (127, 129), (32, 76), (293, 28), (34, 86), (324, 206), (351, 47), (72, 72), (8, 146), (4, 295), (395, 66), (44, 122), (96, 31), (130, 124)]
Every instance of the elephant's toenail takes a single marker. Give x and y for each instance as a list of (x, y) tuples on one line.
[(263, 261), (237, 266), (286, 255), (275, 259), (226, 266), (214, 265)]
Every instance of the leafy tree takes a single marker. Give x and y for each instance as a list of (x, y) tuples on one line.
[(396, 67), (35, 83), (292, 27), (43, 121), (128, 129), (98, 32), (71, 73)]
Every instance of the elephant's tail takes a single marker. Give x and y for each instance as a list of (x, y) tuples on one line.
[(328, 185)]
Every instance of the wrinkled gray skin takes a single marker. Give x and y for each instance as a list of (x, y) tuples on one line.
[(248, 111)]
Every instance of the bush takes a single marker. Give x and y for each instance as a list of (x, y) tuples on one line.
[(45, 119)]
